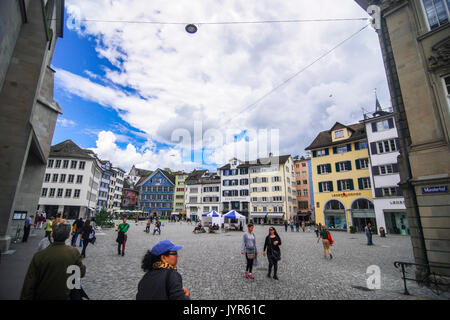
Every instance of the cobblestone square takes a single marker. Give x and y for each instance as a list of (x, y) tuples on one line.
[(212, 266)]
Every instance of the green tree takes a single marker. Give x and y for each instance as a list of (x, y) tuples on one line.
[(104, 219)]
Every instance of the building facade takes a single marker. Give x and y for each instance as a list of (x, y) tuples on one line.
[(103, 191), (71, 182), (202, 193), (304, 199), (156, 194), (29, 31), (272, 189), (130, 196), (341, 175), (389, 203), (235, 187), (414, 38), (115, 189), (180, 188)]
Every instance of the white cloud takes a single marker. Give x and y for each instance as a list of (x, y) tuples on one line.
[(65, 122), (213, 74)]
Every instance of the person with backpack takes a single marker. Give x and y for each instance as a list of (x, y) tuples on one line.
[(251, 252), (122, 236), (162, 280), (327, 241), (86, 232), (272, 248)]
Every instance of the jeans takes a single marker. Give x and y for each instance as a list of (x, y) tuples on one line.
[(369, 239), (156, 229), (85, 244), (26, 233), (74, 238)]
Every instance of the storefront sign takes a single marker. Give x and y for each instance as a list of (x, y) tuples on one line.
[(346, 194), (397, 202), (439, 189)]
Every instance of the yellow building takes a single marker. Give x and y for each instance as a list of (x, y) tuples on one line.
[(341, 178)]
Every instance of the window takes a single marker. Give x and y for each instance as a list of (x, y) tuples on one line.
[(322, 153), (382, 125), (343, 166), (305, 181), (73, 164), (303, 164), (55, 177), (362, 163), (47, 177), (254, 189), (276, 179), (364, 183), (60, 193), (58, 164), (324, 168), (339, 134), (68, 193), (65, 164), (437, 12), (255, 209), (82, 164), (390, 191), (52, 192), (50, 163), (264, 189), (384, 146), (326, 186), (363, 145), (277, 188), (342, 149), (345, 185), (302, 205), (44, 192), (62, 178), (386, 169), (79, 179), (305, 192)]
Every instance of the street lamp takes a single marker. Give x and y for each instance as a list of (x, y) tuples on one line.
[(191, 28)]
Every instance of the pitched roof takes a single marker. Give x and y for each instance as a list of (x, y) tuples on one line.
[(261, 161), (68, 149), (324, 138), (164, 172), (168, 175), (142, 172)]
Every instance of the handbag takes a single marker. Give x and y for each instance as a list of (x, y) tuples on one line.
[(78, 294)]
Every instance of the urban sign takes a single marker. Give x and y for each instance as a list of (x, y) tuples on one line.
[(438, 189), (346, 194)]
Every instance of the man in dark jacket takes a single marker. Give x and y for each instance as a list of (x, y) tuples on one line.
[(47, 275), (162, 280)]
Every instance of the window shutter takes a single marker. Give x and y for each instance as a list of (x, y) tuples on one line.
[(378, 192), (394, 167), (373, 147), (376, 171), (334, 150), (327, 152), (349, 165), (318, 170), (374, 127), (357, 146), (331, 185), (391, 123), (349, 147), (360, 184), (314, 154), (329, 167), (339, 185), (337, 167), (352, 187), (358, 164)]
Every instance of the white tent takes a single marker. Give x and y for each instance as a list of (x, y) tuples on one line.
[(214, 217), (233, 215)]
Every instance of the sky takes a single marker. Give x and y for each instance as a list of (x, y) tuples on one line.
[(154, 96)]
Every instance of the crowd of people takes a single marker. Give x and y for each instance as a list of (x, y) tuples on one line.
[(47, 273)]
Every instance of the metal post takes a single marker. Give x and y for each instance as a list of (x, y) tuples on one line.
[(404, 280)]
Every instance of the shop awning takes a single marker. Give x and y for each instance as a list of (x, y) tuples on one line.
[(275, 216), (258, 215), (363, 214)]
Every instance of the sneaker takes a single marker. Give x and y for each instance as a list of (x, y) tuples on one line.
[(331, 256), (275, 277), (268, 275), (123, 253), (246, 275), (251, 276)]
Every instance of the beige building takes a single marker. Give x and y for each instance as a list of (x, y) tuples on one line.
[(28, 34), (415, 43), (272, 190)]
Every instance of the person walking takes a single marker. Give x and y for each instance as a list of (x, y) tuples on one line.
[(316, 230), (36, 220), (157, 227), (147, 228), (76, 231), (49, 228), (46, 278), (325, 236), (285, 225), (27, 228), (162, 280), (251, 252), (368, 234), (292, 225), (297, 226), (272, 247), (303, 226), (85, 233), (122, 236)]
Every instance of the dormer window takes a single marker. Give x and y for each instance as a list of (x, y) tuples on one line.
[(339, 134)]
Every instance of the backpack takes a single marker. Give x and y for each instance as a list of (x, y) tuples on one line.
[(92, 237)]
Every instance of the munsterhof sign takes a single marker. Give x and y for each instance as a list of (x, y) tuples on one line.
[(346, 194)]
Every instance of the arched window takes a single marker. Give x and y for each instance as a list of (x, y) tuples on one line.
[(334, 205), (362, 204)]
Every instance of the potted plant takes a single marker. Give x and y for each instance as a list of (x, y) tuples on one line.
[(373, 229), (352, 229)]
